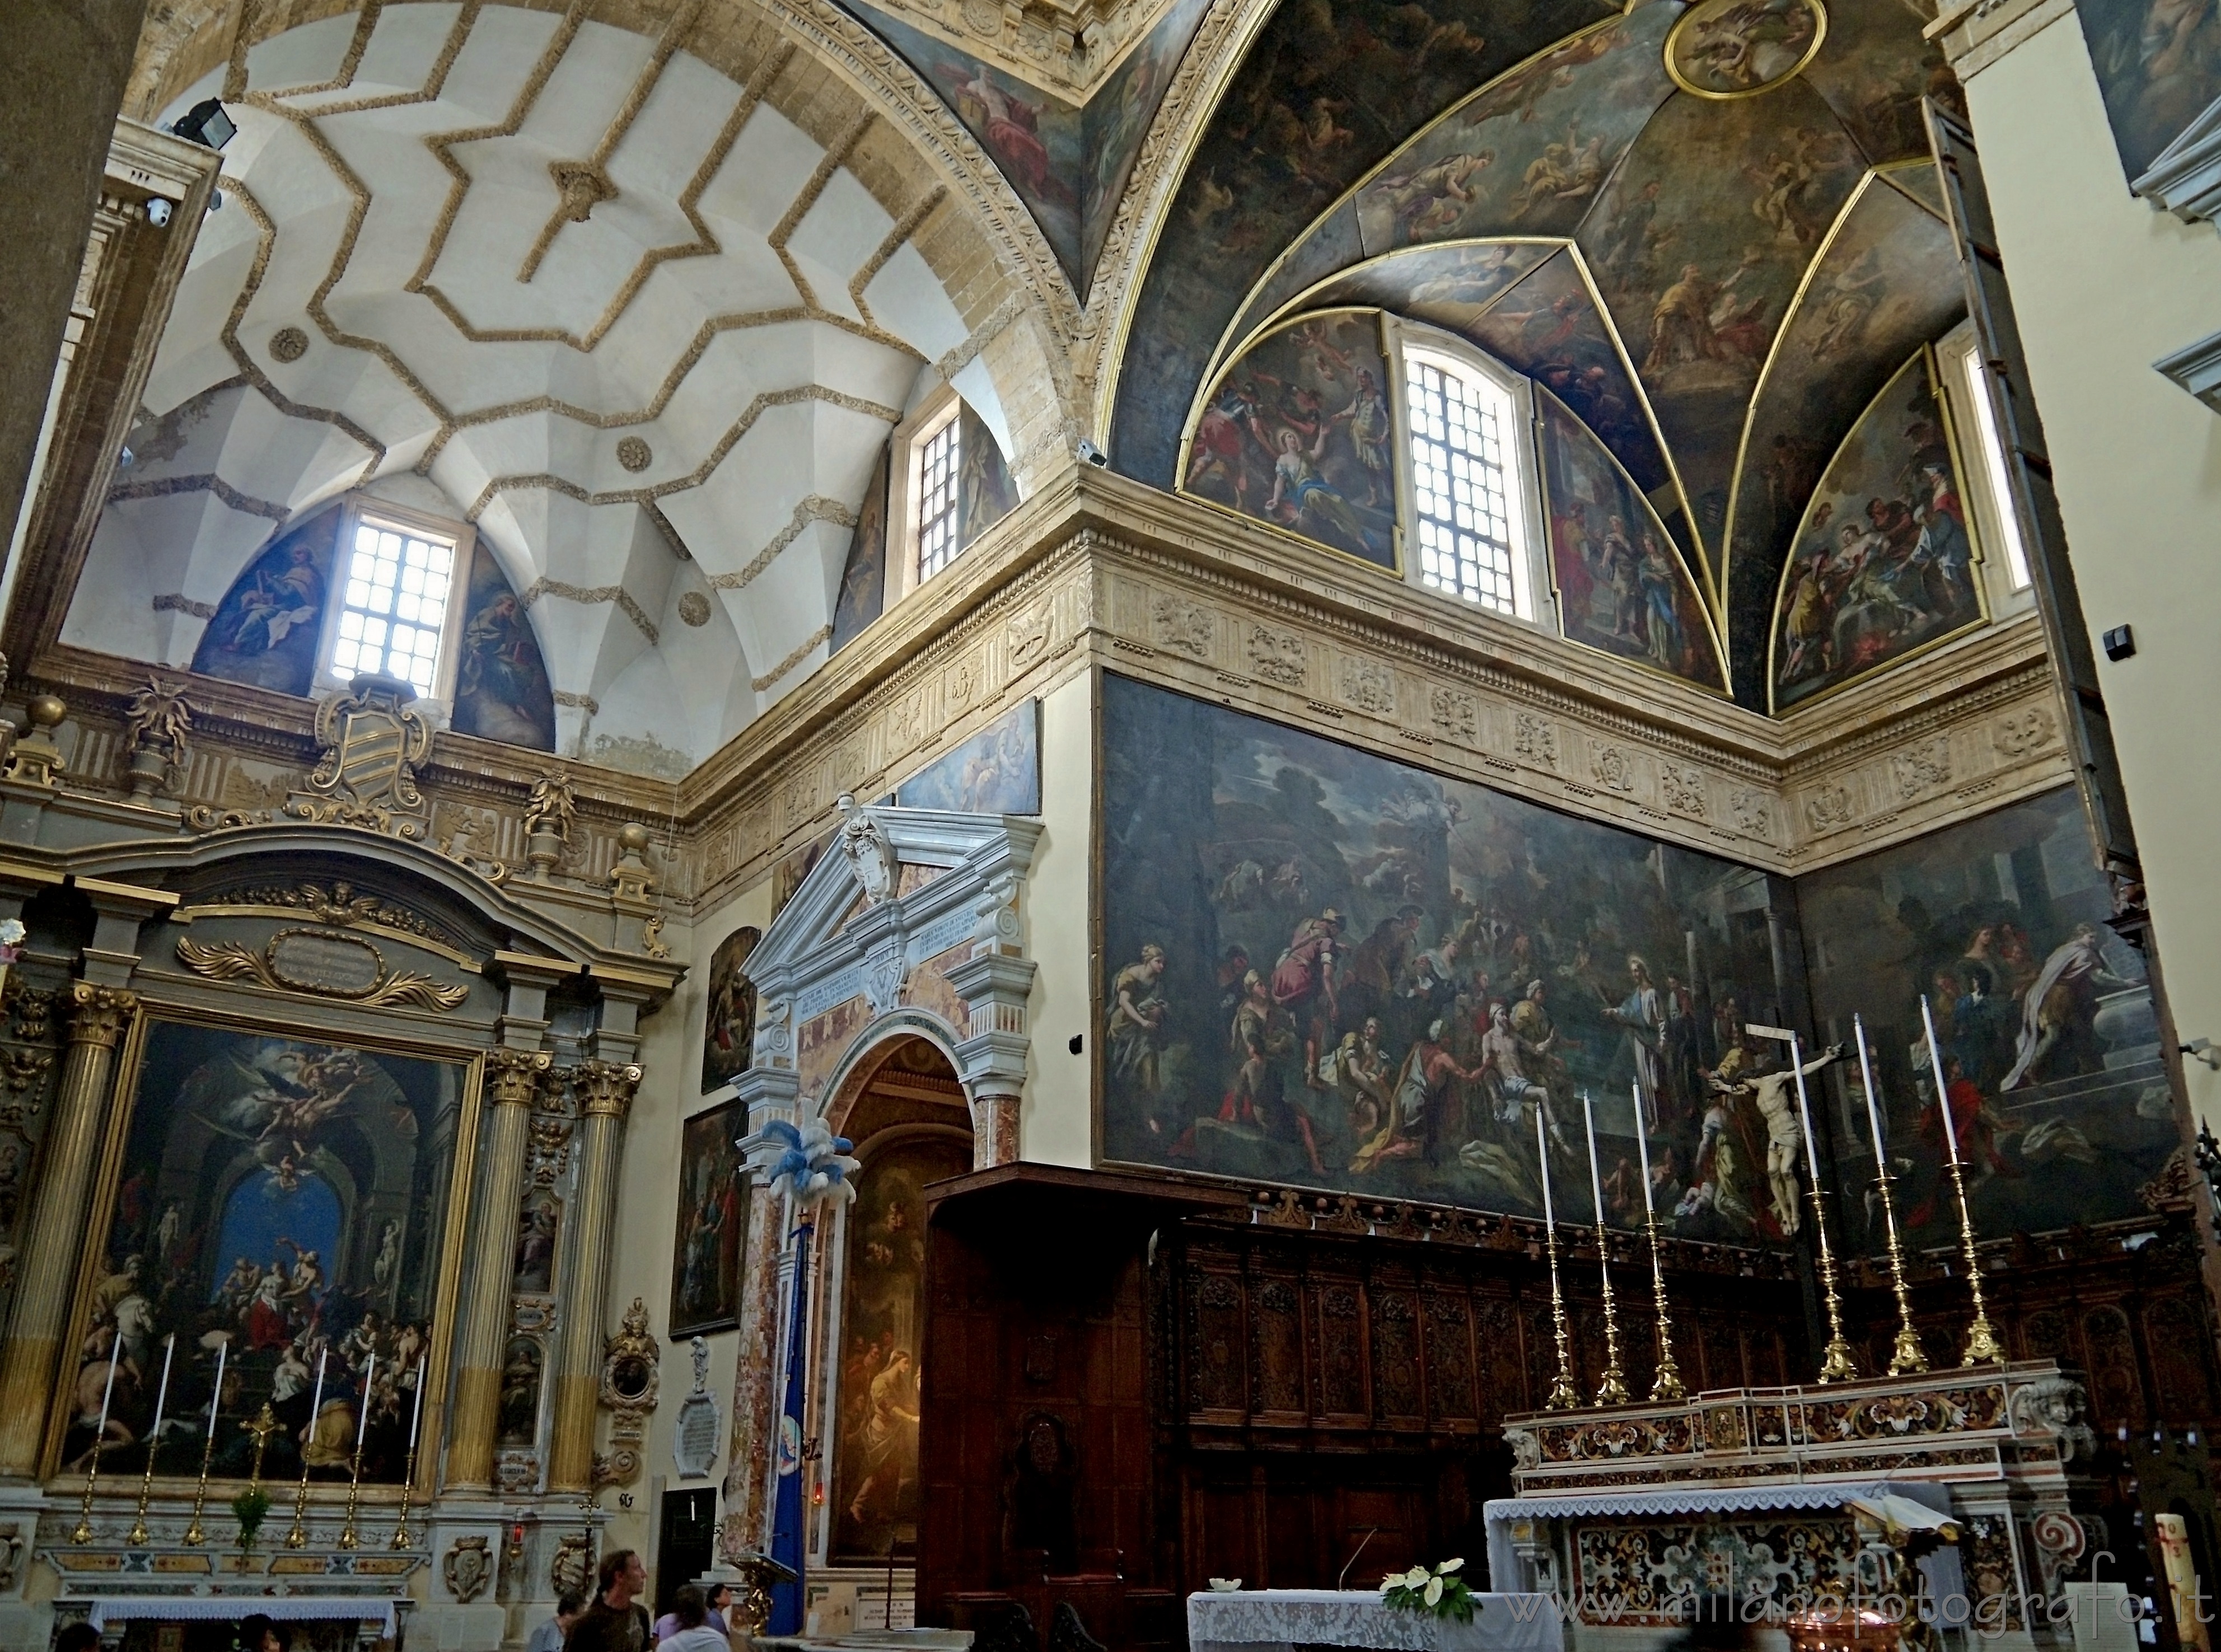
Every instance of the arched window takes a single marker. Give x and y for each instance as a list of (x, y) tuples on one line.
[(1467, 509)]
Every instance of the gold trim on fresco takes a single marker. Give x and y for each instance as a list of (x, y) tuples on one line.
[(1397, 436), (1774, 352), (1925, 357), (1819, 37), (123, 1106), (1726, 692), (1110, 381)]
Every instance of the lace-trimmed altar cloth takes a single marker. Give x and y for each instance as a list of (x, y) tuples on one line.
[(1280, 1620), (108, 1610)]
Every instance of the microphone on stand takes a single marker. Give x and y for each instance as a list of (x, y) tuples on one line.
[(1355, 1553)]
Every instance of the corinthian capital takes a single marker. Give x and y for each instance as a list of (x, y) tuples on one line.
[(513, 1075), (98, 1014), (606, 1088)]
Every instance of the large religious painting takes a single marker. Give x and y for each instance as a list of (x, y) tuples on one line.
[(1621, 585), (2043, 1017), (266, 629), (1738, 48), (883, 1308), (705, 1269), (1297, 433), (997, 771), (1883, 563), (729, 1021), (1326, 967), (863, 592), (502, 690), (282, 1204), (2159, 68)]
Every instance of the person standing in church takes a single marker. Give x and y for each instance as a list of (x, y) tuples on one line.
[(548, 1637), (690, 1626), (616, 1622)]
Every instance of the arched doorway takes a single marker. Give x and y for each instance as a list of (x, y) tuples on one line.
[(907, 1115)]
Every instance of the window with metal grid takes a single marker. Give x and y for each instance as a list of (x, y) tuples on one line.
[(938, 463), (1461, 483), (393, 605)]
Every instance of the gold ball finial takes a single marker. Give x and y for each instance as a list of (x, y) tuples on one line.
[(47, 711), (634, 837)]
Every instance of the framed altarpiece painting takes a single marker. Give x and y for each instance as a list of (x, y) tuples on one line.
[(280, 1206)]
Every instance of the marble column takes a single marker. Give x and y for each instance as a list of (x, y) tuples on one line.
[(746, 1523), (513, 1078), (605, 1090), (54, 1235)]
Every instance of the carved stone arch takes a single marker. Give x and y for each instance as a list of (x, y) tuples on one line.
[(873, 1050)]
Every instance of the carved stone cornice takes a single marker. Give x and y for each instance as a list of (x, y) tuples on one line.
[(514, 1077), (98, 1014), (605, 1089)]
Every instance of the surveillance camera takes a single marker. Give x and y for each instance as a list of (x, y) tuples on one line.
[(158, 213), (1093, 454)]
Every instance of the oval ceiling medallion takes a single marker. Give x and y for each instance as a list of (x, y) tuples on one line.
[(634, 455), (289, 344), (1739, 48), (694, 608)]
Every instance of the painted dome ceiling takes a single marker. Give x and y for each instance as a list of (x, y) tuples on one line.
[(1717, 262)]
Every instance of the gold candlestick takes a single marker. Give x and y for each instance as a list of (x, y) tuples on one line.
[(298, 1536), (138, 1534), (82, 1534), (400, 1539), (1666, 1387), (1906, 1358), (194, 1535), (1563, 1397), (1612, 1390), (348, 1538), (1982, 1345), (1836, 1364)]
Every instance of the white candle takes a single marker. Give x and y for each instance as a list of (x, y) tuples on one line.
[(1596, 1182), (162, 1394), (1942, 1090), (1542, 1151), (1873, 1112), (1642, 1146), (362, 1422), (316, 1403), (1805, 1111), (115, 1353), (416, 1411), (216, 1394)]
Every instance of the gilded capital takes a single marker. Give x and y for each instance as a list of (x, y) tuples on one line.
[(606, 1088), (98, 1014), (513, 1076)]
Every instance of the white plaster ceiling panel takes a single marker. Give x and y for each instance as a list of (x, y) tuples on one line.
[(582, 285)]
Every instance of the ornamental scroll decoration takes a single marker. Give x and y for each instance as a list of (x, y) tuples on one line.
[(324, 962), (631, 1375)]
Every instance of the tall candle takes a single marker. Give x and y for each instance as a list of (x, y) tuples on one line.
[(1642, 1146), (1805, 1111), (1873, 1111), (162, 1394), (362, 1422), (1943, 1089), (115, 1353), (216, 1394), (316, 1403), (416, 1411), (1596, 1180), (1542, 1152)]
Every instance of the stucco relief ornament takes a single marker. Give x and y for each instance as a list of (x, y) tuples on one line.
[(373, 742), (869, 851)]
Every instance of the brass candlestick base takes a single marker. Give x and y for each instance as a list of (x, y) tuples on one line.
[(348, 1538), (1667, 1386), (82, 1534), (1982, 1345), (298, 1536), (1563, 1398), (1836, 1362), (1906, 1358), (400, 1539), (1612, 1390), (137, 1537)]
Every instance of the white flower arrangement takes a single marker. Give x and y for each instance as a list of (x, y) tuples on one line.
[(1441, 1591)]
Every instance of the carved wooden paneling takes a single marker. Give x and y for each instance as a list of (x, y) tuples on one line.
[(1216, 1387), (1276, 1371), (1396, 1386), (1339, 1357), (1448, 1318)]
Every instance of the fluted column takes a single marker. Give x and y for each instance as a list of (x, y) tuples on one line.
[(512, 1079), (605, 1091), (55, 1234)]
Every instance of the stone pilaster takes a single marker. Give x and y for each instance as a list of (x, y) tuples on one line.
[(605, 1090), (54, 1237), (769, 1092), (513, 1078)]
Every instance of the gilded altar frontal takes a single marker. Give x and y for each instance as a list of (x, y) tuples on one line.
[(1048, 828)]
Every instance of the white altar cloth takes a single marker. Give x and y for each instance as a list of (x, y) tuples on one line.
[(1277, 1620), (116, 1609)]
